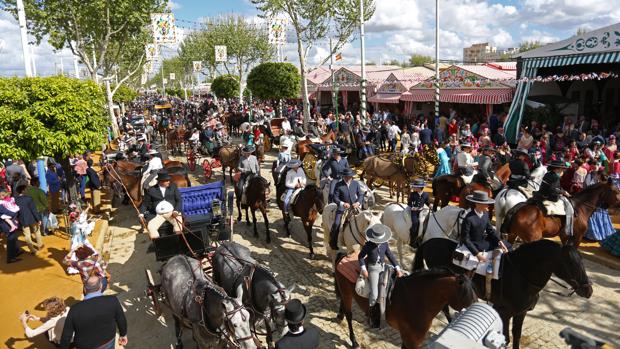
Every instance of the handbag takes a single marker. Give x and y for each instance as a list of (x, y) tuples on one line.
[(52, 221)]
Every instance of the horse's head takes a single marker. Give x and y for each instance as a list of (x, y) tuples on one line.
[(570, 268), (277, 303), (464, 295), (236, 326)]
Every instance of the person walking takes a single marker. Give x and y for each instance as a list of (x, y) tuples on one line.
[(29, 219), (8, 228), (54, 186), (40, 201), (52, 323), (297, 336), (92, 323)]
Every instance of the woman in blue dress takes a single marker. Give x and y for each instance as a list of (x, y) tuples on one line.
[(444, 162), (599, 224)]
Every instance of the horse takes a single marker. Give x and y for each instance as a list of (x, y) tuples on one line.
[(386, 168), (525, 272), (529, 223), (162, 132), (352, 233), (369, 195), (398, 218), (413, 304), (266, 296), (257, 198), (173, 141), (508, 198), (260, 148), (229, 156), (216, 320), (308, 206), (234, 121), (502, 175)]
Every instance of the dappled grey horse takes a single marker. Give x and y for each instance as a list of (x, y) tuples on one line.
[(241, 277), (217, 320)]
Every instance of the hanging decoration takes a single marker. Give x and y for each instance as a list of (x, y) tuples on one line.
[(152, 52), (277, 31), (220, 53), (164, 29), (197, 66)]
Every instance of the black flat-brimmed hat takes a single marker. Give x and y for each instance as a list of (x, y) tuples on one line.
[(365, 130), (418, 183), (163, 176), (480, 197), (487, 148), (248, 149), (347, 172), (337, 150), (378, 233), (295, 311), (520, 151), (557, 164), (293, 163), (466, 145)]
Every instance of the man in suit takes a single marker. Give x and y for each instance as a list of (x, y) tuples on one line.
[(486, 175), (477, 232), (332, 170), (92, 322), (248, 166), (29, 219), (519, 171), (347, 194), (426, 135), (417, 199), (162, 202), (551, 190), (297, 336)]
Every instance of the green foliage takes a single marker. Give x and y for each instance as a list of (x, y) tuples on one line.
[(124, 94), (177, 92), (176, 65), (419, 60), (529, 45), (53, 116), (275, 81), (225, 86)]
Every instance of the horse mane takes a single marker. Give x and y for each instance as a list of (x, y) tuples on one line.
[(465, 288), (533, 249), (590, 191)]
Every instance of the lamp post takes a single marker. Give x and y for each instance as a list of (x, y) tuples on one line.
[(436, 58), (363, 82), (21, 17)]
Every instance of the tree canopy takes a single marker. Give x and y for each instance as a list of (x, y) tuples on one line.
[(175, 65), (417, 60), (125, 94), (529, 45), (225, 86), (275, 81), (53, 116)]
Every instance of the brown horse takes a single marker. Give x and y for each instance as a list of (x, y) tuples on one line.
[(386, 168), (415, 301), (529, 223), (257, 198), (308, 206), (229, 156)]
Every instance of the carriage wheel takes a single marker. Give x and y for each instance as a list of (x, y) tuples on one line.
[(377, 183), (150, 292), (309, 162), (208, 169)]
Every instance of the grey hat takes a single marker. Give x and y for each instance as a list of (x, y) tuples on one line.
[(249, 149), (520, 151), (466, 145), (378, 233), (337, 150), (293, 163), (480, 197), (347, 172), (418, 183)]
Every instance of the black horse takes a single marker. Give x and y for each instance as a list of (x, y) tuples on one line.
[(241, 277), (257, 198), (217, 320), (524, 273)]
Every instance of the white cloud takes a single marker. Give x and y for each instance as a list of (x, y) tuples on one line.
[(502, 39), (541, 36), (395, 15), (173, 5), (568, 15)]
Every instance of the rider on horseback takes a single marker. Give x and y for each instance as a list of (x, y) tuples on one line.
[(248, 166), (551, 190), (284, 156), (333, 169), (465, 162), (295, 179), (417, 200), (486, 174), (154, 165), (371, 259), (347, 194), (519, 172), (477, 232)]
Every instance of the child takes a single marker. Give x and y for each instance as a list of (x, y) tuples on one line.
[(8, 202)]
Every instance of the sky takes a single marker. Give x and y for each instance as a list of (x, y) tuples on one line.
[(398, 28)]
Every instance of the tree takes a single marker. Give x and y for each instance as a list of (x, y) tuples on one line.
[(395, 62), (275, 81), (178, 67), (54, 116), (107, 36), (529, 45), (417, 60), (246, 44), (312, 21), (125, 94), (225, 86), (581, 31)]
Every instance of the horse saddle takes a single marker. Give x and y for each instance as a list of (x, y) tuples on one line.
[(468, 178), (349, 267), (387, 280), (293, 197), (556, 208), (463, 258)]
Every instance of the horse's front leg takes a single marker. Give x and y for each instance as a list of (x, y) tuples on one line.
[(239, 218), (308, 228), (178, 332), (263, 210), (254, 220)]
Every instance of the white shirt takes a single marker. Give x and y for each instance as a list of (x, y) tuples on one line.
[(53, 327), (163, 191), (295, 176), (392, 131), (155, 164), (286, 125), (465, 159)]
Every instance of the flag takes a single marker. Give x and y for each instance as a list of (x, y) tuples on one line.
[(338, 56)]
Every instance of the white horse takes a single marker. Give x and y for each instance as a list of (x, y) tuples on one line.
[(398, 218), (507, 198), (352, 235)]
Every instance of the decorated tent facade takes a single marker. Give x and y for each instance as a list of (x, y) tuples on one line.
[(593, 52), (396, 85)]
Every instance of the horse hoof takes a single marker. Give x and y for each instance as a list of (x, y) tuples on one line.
[(268, 241), (247, 223), (355, 346), (339, 318), (311, 256)]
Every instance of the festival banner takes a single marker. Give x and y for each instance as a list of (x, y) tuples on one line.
[(220, 54), (172, 76), (197, 66), (152, 52), (144, 78), (165, 81), (164, 29), (277, 31)]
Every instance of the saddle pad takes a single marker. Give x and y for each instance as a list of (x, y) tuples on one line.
[(349, 267), (554, 208), (470, 262), (467, 179), (293, 197)]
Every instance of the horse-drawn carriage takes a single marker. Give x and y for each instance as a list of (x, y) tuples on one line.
[(205, 209)]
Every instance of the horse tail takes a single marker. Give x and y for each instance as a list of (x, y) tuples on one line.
[(418, 260), (339, 257)]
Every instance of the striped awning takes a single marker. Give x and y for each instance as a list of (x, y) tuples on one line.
[(559, 61), (467, 96), (388, 98)]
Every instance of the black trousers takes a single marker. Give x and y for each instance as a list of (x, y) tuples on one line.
[(11, 246)]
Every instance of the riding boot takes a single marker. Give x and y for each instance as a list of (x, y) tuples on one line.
[(333, 239), (374, 314), (413, 236)]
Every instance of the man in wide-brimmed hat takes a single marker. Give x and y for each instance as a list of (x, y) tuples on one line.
[(551, 190), (154, 165), (162, 202), (465, 162), (248, 166), (347, 195), (333, 168), (298, 336), (417, 199), (284, 156), (486, 175), (519, 171), (295, 179), (371, 259), (477, 232)]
